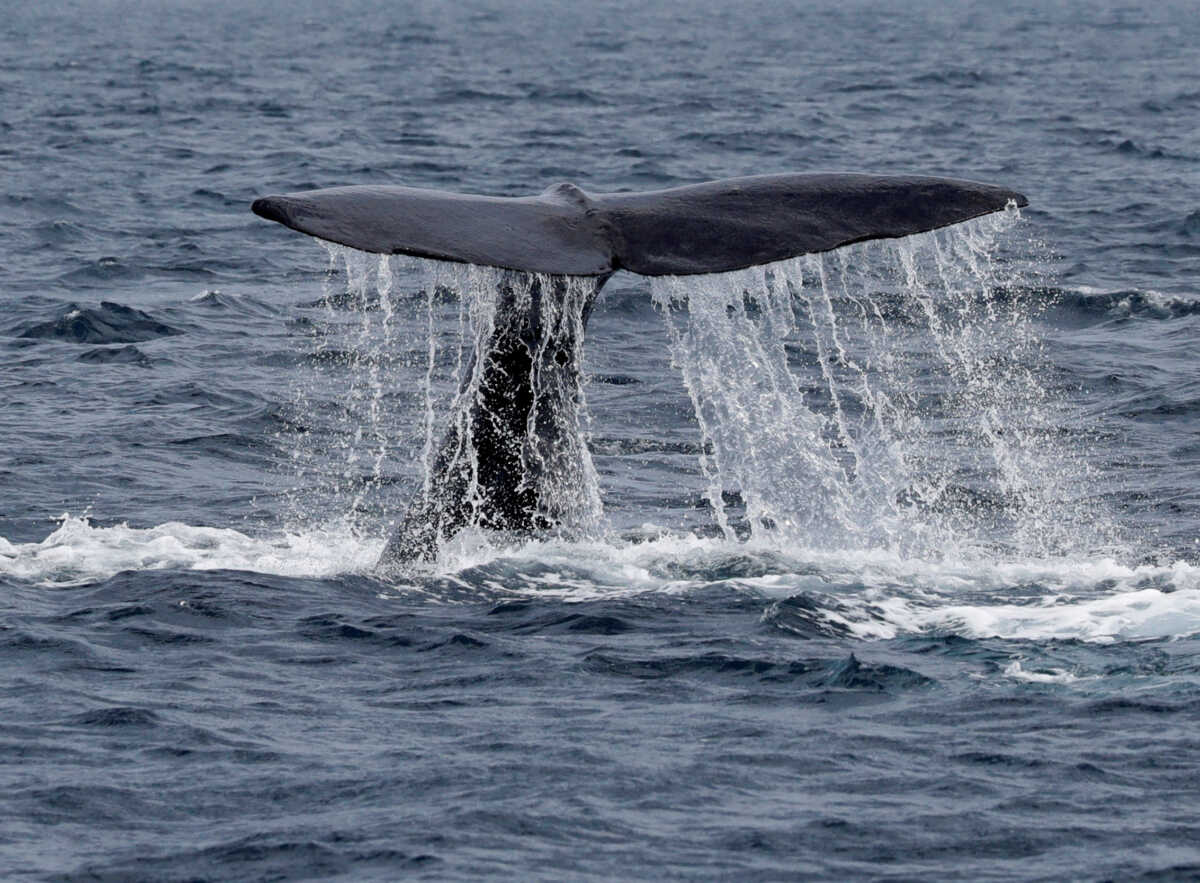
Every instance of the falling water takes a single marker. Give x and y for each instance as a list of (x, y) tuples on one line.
[(890, 395), (397, 357), (348, 422)]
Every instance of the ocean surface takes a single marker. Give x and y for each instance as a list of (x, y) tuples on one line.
[(898, 572)]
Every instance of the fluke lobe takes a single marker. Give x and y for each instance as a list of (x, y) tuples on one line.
[(490, 469)]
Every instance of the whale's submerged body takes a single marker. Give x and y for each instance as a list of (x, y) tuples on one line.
[(506, 461)]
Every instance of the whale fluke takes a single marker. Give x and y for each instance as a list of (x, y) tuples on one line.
[(701, 228), (539, 234), (743, 222), (503, 464)]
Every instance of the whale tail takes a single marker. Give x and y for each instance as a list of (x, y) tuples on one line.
[(497, 467), (700, 228)]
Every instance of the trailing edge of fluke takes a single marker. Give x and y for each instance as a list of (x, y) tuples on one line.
[(700, 228)]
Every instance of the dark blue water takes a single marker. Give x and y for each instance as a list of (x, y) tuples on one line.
[(977, 659)]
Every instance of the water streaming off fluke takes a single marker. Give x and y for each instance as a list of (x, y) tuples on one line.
[(416, 364), (890, 395)]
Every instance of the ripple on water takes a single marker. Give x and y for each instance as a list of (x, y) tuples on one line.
[(108, 323)]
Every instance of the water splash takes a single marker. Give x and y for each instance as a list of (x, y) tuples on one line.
[(889, 395), (892, 395), (348, 430), (78, 552), (399, 357)]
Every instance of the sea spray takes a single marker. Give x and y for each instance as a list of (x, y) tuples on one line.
[(348, 426), (891, 395), (396, 364), (888, 395)]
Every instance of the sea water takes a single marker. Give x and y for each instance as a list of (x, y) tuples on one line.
[(894, 568)]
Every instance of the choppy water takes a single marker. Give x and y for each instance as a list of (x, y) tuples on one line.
[(916, 598)]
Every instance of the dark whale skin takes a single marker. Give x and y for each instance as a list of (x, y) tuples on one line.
[(700, 228)]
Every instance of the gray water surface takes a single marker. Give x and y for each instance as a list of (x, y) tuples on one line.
[(989, 671)]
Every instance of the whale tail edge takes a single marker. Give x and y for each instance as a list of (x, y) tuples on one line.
[(699, 228)]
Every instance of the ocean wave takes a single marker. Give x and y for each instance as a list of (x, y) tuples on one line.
[(1127, 303), (107, 269), (116, 355), (108, 323)]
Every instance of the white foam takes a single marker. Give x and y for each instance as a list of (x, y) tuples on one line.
[(1125, 615), (1040, 676), (79, 552), (871, 594), (879, 595)]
